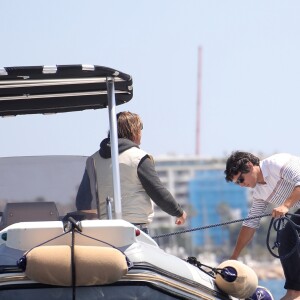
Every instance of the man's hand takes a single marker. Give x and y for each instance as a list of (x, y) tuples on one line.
[(181, 220), (280, 211), (283, 209)]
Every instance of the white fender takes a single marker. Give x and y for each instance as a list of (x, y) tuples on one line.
[(245, 283), (94, 265)]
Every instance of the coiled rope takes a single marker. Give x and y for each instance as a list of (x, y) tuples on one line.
[(278, 225)]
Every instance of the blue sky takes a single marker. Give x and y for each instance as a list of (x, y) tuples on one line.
[(250, 72)]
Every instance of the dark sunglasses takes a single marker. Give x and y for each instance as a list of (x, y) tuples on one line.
[(240, 179)]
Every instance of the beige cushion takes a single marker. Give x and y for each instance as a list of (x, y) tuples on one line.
[(245, 284), (94, 265)]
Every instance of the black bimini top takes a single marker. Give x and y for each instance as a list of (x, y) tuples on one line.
[(60, 88)]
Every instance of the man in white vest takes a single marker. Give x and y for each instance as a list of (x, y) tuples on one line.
[(138, 177)]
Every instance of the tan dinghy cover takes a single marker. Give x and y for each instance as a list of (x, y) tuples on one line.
[(243, 286), (94, 265)]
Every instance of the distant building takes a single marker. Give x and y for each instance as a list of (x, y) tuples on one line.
[(176, 172), (198, 184), (214, 201)]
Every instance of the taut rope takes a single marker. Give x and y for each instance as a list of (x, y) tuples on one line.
[(209, 226)]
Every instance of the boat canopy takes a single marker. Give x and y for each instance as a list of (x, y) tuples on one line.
[(60, 88), (65, 88)]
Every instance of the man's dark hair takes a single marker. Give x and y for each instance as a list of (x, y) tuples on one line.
[(238, 162)]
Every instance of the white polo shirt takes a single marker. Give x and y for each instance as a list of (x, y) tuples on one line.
[(281, 173)]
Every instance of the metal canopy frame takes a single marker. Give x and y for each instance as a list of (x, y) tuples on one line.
[(66, 88)]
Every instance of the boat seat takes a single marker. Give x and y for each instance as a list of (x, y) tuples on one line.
[(28, 212)]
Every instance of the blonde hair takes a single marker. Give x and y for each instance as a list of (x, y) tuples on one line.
[(129, 125)]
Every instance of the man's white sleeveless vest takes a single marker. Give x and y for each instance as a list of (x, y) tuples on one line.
[(137, 206)]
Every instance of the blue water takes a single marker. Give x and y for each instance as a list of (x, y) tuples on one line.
[(275, 286)]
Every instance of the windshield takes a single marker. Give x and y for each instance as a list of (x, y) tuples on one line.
[(41, 179)]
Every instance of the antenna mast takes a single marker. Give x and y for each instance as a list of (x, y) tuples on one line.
[(198, 110)]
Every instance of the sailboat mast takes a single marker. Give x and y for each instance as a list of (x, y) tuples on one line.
[(198, 110)]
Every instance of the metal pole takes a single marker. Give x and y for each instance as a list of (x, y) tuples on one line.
[(114, 146), (108, 208), (198, 109)]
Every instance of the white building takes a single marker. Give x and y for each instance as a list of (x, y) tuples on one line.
[(175, 172)]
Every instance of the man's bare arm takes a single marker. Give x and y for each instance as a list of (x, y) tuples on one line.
[(245, 236)]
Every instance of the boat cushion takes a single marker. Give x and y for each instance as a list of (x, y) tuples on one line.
[(93, 265)]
